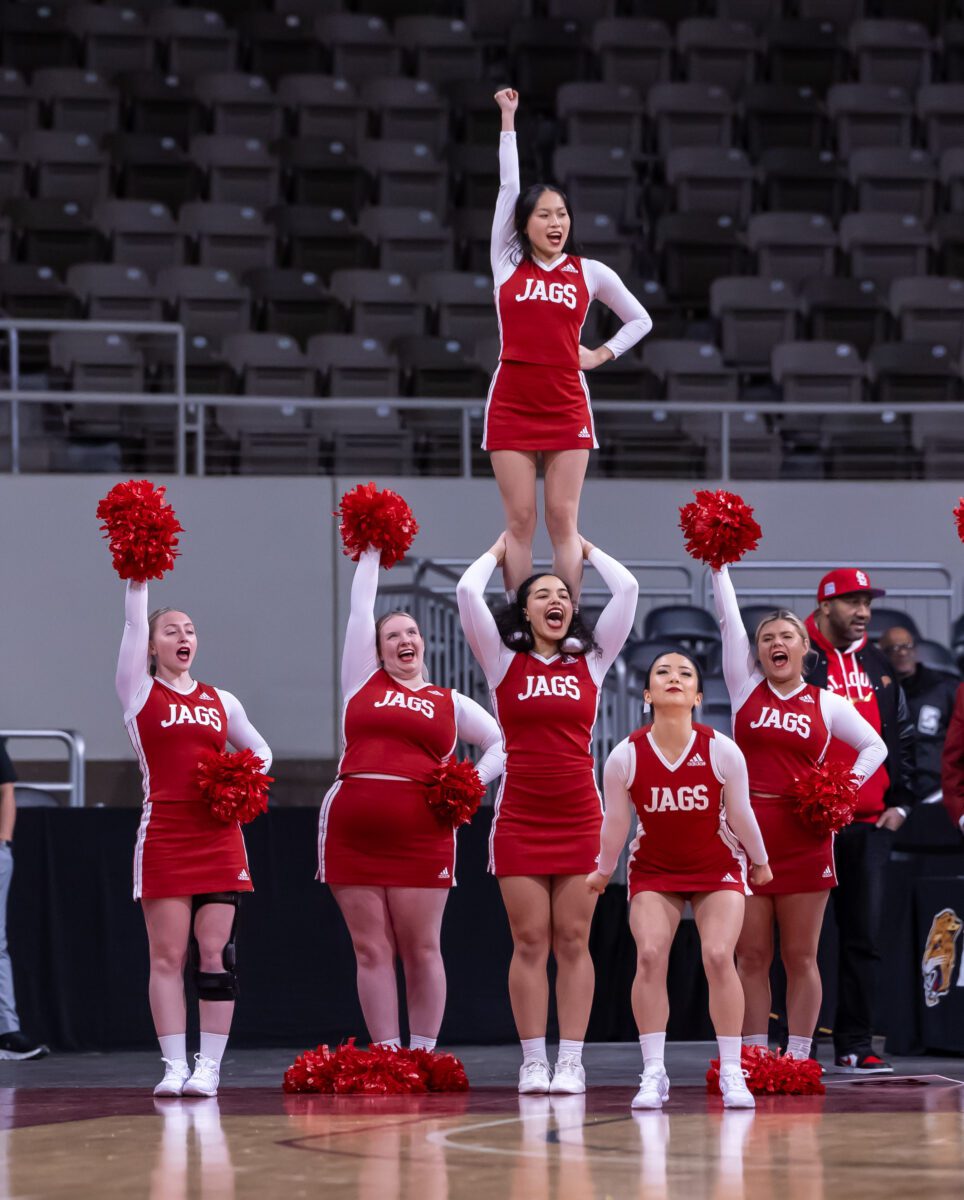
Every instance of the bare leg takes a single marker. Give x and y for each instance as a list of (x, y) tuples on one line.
[(565, 472), (528, 907), (168, 921), (654, 918), (572, 909), (800, 917), (212, 928), (754, 954), (515, 473), (719, 919), (416, 915), (365, 910)]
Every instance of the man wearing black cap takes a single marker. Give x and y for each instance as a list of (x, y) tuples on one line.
[(852, 667)]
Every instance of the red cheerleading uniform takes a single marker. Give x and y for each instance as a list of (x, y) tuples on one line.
[(683, 843), (182, 849), (381, 832), (548, 812), (783, 738)]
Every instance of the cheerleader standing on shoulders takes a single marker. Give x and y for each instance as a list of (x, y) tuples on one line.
[(387, 857), (538, 400), (784, 726), (190, 868), (694, 829), (545, 832)]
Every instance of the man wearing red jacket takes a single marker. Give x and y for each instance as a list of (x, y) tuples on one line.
[(849, 665), (952, 763)]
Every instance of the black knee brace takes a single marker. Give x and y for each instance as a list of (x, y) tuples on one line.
[(217, 985)]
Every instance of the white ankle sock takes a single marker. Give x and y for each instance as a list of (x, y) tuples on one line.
[(174, 1046), (570, 1048), (653, 1046), (394, 1042), (799, 1047), (421, 1043), (534, 1050), (729, 1050), (213, 1045), (755, 1039)]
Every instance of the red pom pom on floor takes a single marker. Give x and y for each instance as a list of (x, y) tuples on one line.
[(141, 529), (719, 528), (959, 518), (773, 1074), (381, 519), (455, 793), (234, 785), (348, 1070), (826, 798)]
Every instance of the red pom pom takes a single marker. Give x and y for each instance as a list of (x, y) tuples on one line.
[(826, 798), (773, 1074), (380, 519), (141, 529), (234, 785), (719, 528), (455, 793), (378, 1071), (959, 518)]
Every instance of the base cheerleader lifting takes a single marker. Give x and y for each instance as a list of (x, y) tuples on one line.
[(695, 828)]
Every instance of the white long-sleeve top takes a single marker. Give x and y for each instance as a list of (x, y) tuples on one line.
[(743, 675), (134, 682), (482, 634), (602, 282), (730, 766), (359, 661)]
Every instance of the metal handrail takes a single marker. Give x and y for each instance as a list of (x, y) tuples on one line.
[(76, 757)]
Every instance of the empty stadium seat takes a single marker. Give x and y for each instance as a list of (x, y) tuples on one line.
[(600, 236), (241, 105), (406, 174), (690, 370), (99, 362), (597, 179), (885, 246), (949, 235), (913, 372), (408, 240), (152, 168), (382, 304), (324, 106), (163, 105), (67, 166), (475, 175), (269, 364), (798, 179), (33, 36), (831, 372), (13, 170), (324, 172), (438, 366), (690, 114), (111, 39), (360, 47), (544, 54), (720, 52), (694, 251), (782, 115), (318, 239), (195, 42), (113, 292), (354, 366), (844, 310), (230, 236), (893, 53), (601, 114), (407, 110), (930, 309), (708, 179), (441, 49), (238, 170), (77, 101), (883, 618), (19, 107), (632, 51), (892, 179), (754, 315), (940, 111), (140, 233), (55, 233), (806, 53), (277, 44), (952, 178), (870, 114), (206, 300), (460, 303), (792, 246), (295, 302), (839, 12)]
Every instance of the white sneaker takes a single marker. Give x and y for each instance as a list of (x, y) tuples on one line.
[(569, 1077), (204, 1081), (535, 1078), (653, 1089), (733, 1087), (176, 1075)]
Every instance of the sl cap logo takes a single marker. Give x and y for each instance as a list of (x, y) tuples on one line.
[(862, 579), (829, 589)]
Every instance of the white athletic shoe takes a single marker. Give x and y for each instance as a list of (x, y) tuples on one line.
[(653, 1089), (569, 1077), (535, 1078), (176, 1075), (204, 1081), (733, 1087)]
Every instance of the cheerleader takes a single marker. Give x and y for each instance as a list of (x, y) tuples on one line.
[(784, 726), (190, 868), (694, 830), (545, 831), (387, 857), (538, 401)]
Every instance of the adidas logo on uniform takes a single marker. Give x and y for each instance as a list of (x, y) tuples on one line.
[(444, 873), (570, 269), (243, 876), (806, 699), (827, 873), (584, 432), (435, 692), (696, 761), (728, 878), (205, 696)]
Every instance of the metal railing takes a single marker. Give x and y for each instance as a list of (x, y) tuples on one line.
[(74, 787)]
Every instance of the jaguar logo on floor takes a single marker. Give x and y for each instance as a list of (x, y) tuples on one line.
[(940, 953)]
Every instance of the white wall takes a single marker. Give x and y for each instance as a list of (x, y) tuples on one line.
[(262, 575)]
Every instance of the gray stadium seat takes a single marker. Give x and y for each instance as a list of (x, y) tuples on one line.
[(55, 233), (13, 170), (408, 240), (196, 41), (870, 114), (406, 173), (320, 171), (473, 233), (324, 106), (66, 166), (719, 52), (885, 246), (490, 20), (408, 110), (320, 239), (597, 179), (351, 365), (709, 179), (952, 178), (887, 179), (940, 111), (912, 372), (694, 251), (36, 36), (930, 308), (633, 51), (206, 300), (949, 235), (754, 315), (233, 237), (806, 53), (803, 180), (112, 40), (460, 302), (830, 372), (755, 12), (270, 440), (441, 49), (782, 115), (148, 167), (690, 114), (600, 236), (382, 304), (839, 12), (19, 107), (98, 362), (844, 310), (545, 53), (601, 114), (239, 170), (277, 44), (294, 302), (77, 101), (241, 105), (140, 233), (690, 370), (893, 53), (792, 246), (932, 654), (681, 623), (361, 47), (440, 367), (269, 364), (475, 175), (113, 292), (163, 105)]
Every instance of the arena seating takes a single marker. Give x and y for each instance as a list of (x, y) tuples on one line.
[(780, 179)]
